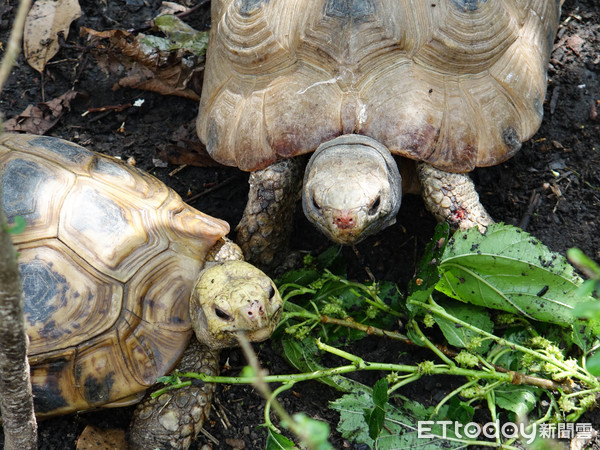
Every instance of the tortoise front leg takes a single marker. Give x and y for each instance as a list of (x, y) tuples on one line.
[(266, 226), (174, 419), (452, 198)]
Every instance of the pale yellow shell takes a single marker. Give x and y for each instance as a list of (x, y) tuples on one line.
[(456, 83), (108, 258)]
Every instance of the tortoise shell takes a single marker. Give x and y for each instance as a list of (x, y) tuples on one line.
[(108, 259), (455, 83)]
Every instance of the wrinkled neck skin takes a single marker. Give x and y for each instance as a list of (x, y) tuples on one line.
[(352, 188)]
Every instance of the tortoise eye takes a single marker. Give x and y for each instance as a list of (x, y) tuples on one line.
[(316, 204), (223, 315), (271, 292), (375, 206)]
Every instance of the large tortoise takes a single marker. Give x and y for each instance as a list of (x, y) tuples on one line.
[(449, 85), (118, 274)]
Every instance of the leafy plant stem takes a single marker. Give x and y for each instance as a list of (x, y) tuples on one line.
[(370, 330), (543, 419), (404, 382), (299, 290), (370, 291), (359, 365), (582, 393), (438, 310)]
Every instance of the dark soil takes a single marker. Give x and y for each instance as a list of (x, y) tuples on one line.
[(551, 188)]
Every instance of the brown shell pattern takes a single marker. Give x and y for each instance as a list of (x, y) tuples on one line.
[(456, 83), (108, 259)]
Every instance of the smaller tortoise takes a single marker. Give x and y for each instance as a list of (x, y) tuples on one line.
[(447, 85), (118, 274)]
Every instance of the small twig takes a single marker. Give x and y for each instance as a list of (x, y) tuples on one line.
[(209, 436), (534, 201), (14, 43), (116, 108), (177, 170)]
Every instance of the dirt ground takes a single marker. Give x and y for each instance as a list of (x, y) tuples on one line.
[(551, 188)]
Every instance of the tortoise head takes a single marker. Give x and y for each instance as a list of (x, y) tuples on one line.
[(352, 188), (234, 297)]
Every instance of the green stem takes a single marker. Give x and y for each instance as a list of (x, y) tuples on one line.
[(582, 393), (438, 310), (430, 345), (452, 394), (404, 382), (491, 402), (359, 366), (276, 392)]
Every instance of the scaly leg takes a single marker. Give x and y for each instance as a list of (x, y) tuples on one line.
[(266, 226), (452, 198), (174, 419)]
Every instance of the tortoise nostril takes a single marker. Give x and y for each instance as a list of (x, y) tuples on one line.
[(344, 221), (255, 309)]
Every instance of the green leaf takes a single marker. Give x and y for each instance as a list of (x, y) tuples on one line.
[(376, 415), (276, 441), (332, 259), (510, 270), (304, 356), (584, 263), (519, 399), (167, 379), (315, 432), (180, 35), (300, 277), (460, 411), (18, 225), (400, 428), (593, 364), (428, 275), (380, 394), (585, 334), (588, 310), (462, 337)]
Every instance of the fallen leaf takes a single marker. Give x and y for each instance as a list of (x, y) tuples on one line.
[(101, 438), (171, 8), (42, 117), (149, 62), (45, 21), (575, 43), (187, 149)]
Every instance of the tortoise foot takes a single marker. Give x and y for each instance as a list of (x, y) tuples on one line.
[(174, 419), (266, 226), (452, 198)]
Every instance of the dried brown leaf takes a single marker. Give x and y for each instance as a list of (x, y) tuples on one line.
[(99, 438), (187, 149), (143, 67), (46, 19), (42, 117), (192, 154)]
